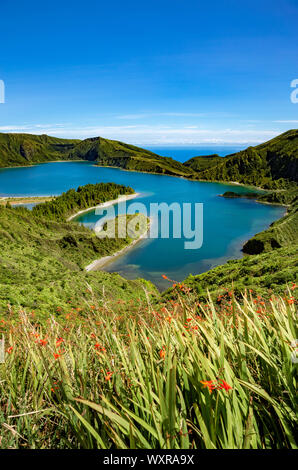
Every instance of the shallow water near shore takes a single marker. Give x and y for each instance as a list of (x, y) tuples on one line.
[(227, 223)]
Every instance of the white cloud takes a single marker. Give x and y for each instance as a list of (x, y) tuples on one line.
[(150, 135), (148, 115), (288, 122), (33, 127), (13, 128)]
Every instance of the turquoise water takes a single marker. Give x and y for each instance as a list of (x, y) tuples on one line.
[(228, 223)]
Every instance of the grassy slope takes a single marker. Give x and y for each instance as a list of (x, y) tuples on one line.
[(269, 165), (203, 162), (265, 273), (25, 149), (133, 377), (113, 153), (272, 164), (280, 233), (272, 262), (42, 263)]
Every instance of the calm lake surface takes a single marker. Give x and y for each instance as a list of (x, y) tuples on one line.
[(227, 223)]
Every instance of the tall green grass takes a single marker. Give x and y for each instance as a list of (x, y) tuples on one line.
[(132, 376)]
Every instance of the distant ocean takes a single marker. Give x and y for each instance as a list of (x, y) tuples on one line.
[(185, 153)]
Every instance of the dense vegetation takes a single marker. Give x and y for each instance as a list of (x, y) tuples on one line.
[(264, 273), (284, 197), (95, 361), (233, 195), (113, 153), (129, 375), (203, 162), (26, 149), (42, 264), (84, 197), (269, 165), (272, 262), (282, 232)]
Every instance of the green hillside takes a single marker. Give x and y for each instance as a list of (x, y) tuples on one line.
[(203, 162), (281, 232), (118, 154), (263, 274), (42, 262), (270, 262), (25, 149), (84, 197), (269, 165)]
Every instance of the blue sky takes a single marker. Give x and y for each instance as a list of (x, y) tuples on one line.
[(159, 72)]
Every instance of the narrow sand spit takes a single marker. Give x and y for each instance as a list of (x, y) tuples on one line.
[(105, 204), (99, 263), (15, 200)]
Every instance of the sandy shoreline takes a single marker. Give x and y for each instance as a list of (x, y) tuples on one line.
[(101, 262), (15, 200), (105, 204)]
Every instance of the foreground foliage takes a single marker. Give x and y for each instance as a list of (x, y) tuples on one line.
[(131, 375)]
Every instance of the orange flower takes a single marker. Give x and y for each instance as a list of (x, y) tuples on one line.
[(108, 376), (208, 384), (43, 342), (162, 354), (9, 350), (59, 341), (224, 385), (60, 352), (55, 386), (98, 347), (220, 385), (164, 276)]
